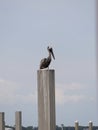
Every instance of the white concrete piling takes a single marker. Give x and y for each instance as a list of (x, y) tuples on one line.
[(2, 121), (18, 120), (90, 125), (76, 125), (46, 99)]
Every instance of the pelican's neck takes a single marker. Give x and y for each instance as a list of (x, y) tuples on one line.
[(49, 57)]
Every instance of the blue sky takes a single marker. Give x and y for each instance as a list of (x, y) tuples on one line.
[(26, 29)]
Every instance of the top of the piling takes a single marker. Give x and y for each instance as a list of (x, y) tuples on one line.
[(90, 121), (1, 112), (76, 121)]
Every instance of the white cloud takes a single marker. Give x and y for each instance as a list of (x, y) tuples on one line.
[(10, 94), (71, 86), (62, 98), (7, 91), (25, 99), (71, 93)]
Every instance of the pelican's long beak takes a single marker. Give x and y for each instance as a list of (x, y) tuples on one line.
[(53, 55)]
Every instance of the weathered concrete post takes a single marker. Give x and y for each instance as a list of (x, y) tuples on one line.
[(90, 125), (76, 125), (18, 120), (2, 122), (46, 99)]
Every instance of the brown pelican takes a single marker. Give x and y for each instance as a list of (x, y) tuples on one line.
[(46, 61)]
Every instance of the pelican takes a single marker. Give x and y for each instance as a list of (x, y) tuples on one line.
[(46, 61)]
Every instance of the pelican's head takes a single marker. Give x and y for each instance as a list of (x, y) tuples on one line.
[(51, 51)]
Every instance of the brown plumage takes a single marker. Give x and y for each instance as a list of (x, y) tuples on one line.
[(46, 61)]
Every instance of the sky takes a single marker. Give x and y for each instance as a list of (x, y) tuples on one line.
[(26, 29)]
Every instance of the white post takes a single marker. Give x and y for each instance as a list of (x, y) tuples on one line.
[(2, 122), (76, 125), (18, 124), (90, 125), (46, 99)]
